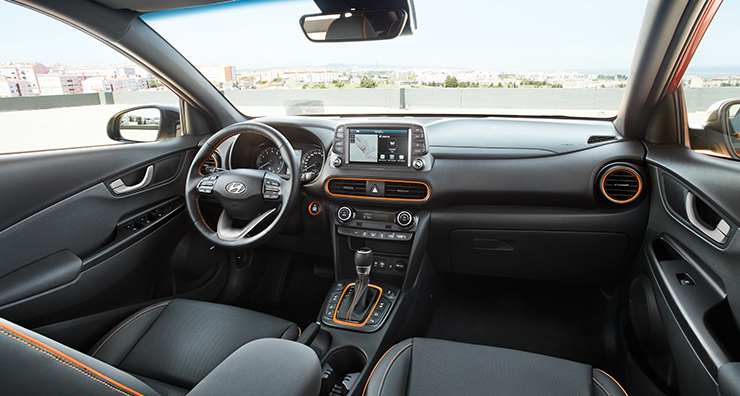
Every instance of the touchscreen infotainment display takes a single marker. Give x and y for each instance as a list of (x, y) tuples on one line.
[(387, 146)]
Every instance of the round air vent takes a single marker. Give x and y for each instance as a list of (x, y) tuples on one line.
[(621, 184)]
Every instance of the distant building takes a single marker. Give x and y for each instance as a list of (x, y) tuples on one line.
[(14, 87), (26, 72), (218, 74), (59, 84), (693, 82), (111, 71), (115, 84)]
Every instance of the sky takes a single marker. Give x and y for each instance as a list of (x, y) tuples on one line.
[(534, 35)]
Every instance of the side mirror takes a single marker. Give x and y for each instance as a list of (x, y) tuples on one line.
[(145, 124), (723, 117), (355, 25)]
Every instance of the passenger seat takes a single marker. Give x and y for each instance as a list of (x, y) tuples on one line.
[(423, 366)]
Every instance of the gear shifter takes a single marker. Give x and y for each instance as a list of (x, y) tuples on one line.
[(363, 263), (359, 299)]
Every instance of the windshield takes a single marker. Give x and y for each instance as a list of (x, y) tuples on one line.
[(530, 57)]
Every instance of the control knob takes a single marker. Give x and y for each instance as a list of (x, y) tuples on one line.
[(345, 213), (404, 219)]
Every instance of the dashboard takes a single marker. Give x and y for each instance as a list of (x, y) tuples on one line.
[(543, 199)]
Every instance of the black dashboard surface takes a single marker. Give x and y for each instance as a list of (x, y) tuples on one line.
[(534, 182)]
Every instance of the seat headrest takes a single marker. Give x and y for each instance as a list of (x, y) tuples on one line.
[(354, 27)]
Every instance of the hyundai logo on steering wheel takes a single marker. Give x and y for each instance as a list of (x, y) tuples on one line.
[(236, 188)]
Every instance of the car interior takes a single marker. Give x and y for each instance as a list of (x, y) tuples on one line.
[(376, 254)]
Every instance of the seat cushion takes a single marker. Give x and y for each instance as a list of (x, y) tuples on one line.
[(422, 366), (179, 342)]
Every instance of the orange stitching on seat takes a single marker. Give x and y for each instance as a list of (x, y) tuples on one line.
[(299, 332), (224, 139), (601, 386), (124, 325), (615, 381), (393, 359), (67, 361), (197, 206), (286, 332), (376, 366)]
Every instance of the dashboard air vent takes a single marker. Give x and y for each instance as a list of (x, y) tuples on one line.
[(210, 165), (621, 184), (600, 139), (405, 190), (353, 187)]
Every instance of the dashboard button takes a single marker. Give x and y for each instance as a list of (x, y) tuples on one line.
[(417, 151), (314, 208), (403, 236)]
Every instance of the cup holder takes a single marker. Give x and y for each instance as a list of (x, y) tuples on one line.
[(341, 369)]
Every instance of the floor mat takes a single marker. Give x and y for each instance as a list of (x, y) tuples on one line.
[(542, 317)]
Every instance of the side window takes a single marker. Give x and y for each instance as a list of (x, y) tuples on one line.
[(711, 87), (59, 87)]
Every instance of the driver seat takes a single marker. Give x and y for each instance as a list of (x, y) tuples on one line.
[(165, 349)]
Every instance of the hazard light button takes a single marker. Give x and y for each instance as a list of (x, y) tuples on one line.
[(375, 188)]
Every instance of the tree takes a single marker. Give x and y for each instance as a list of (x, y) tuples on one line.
[(305, 86), (338, 83), (368, 82), (451, 82)]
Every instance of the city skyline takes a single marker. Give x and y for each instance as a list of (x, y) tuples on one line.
[(286, 47)]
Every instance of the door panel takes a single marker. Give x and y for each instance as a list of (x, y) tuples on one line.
[(68, 240), (695, 275)]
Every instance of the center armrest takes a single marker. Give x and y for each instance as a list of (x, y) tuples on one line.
[(268, 366)]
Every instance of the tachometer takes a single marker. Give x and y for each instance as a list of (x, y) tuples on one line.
[(270, 160), (311, 163)]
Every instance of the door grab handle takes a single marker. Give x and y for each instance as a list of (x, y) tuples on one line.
[(120, 188), (718, 234)]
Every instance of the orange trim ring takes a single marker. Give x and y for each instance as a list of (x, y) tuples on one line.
[(311, 204), (326, 188), (65, 359), (334, 317), (639, 185), (693, 43)]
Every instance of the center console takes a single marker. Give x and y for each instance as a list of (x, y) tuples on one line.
[(379, 235), (382, 239)]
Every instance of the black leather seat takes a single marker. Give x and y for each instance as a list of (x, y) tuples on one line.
[(165, 349), (429, 367)]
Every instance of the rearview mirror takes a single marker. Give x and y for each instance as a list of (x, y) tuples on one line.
[(354, 25), (724, 117), (144, 124)]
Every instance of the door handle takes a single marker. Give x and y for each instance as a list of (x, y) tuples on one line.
[(718, 234), (119, 187)]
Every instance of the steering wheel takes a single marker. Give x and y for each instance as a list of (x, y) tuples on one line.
[(246, 195)]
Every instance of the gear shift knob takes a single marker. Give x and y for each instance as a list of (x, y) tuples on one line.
[(363, 261)]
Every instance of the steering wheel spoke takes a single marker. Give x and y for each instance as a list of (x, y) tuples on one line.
[(228, 232)]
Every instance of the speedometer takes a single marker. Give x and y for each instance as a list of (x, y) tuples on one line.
[(270, 160), (311, 163)]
